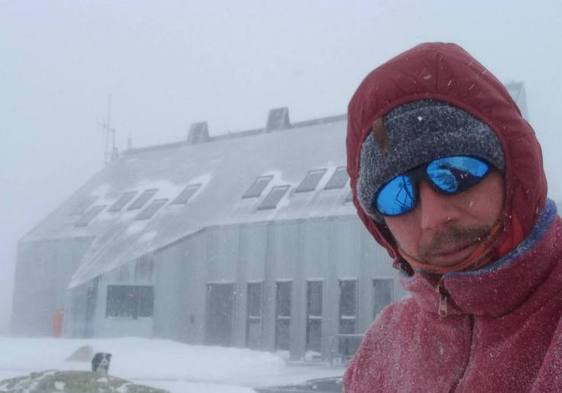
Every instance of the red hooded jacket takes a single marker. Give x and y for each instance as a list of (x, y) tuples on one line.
[(502, 329)]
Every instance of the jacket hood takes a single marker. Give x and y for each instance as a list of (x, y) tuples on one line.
[(446, 72)]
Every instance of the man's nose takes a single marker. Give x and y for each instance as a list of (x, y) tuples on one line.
[(436, 209)]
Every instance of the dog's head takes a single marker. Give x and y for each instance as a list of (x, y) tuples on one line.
[(101, 361)]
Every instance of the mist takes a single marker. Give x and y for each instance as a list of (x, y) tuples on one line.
[(169, 64)]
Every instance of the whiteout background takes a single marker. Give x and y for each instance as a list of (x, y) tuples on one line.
[(167, 64)]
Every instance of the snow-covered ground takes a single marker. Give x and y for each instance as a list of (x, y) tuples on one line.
[(170, 365)]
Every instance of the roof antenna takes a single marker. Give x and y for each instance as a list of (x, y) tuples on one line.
[(130, 142), (111, 152)]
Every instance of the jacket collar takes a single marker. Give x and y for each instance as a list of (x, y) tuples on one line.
[(502, 285)]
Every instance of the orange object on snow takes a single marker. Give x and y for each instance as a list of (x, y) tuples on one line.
[(58, 316)]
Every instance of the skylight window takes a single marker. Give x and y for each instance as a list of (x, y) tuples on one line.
[(151, 209), (311, 180), (83, 204), (125, 198), (143, 199), (257, 187), (273, 198), (89, 215), (186, 194), (338, 179)]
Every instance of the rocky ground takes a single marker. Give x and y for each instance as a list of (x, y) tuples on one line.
[(53, 381)]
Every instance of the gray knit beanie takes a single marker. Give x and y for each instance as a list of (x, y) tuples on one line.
[(416, 133)]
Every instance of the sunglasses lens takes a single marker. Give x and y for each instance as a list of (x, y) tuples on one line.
[(455, 174), (396, 197)]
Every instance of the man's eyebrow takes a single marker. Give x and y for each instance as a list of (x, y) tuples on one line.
[(380, 135)]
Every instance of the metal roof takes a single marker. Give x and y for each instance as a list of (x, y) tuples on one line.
[(225, 167)]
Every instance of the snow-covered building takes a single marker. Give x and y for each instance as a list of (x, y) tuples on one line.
[(247, 239)]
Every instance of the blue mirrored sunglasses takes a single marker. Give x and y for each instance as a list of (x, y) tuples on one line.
[(449, 175)]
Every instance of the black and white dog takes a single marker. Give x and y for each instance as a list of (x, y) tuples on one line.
[(100, 363)]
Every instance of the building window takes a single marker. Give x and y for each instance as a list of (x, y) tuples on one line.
[(257, 187), (338, 179), (122, 201), (186, 194), (143, 199), (348, 343), (254, 318), (348, 306), (314, 316), (89, 215), (311, 180), (129, 301), (283, 315), (151, 209), (383, 289), (273, 198), (220, 314)]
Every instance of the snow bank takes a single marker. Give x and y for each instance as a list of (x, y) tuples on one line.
[(141, 359), (165, 364)]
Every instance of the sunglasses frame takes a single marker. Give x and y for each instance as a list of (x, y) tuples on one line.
[(415, 175)]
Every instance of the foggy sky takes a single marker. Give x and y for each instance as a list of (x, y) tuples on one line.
[(167, 64)]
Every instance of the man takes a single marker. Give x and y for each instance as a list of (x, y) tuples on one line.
[(448, 177)]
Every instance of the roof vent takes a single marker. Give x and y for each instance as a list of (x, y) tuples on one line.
[(198, 133), (278, 119)]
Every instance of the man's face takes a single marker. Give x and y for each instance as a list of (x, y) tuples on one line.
[(443, 230)]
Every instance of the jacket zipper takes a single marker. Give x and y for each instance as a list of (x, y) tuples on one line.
[(470, 350), (442, 310)]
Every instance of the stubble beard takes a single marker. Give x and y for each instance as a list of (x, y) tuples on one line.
[(449, 238)]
